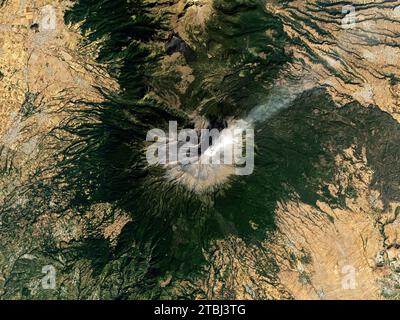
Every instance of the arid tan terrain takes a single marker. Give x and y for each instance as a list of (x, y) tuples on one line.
[(317, 253), (340, 254)]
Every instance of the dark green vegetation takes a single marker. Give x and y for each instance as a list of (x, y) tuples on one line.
[(104, 162), (238, 61)]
